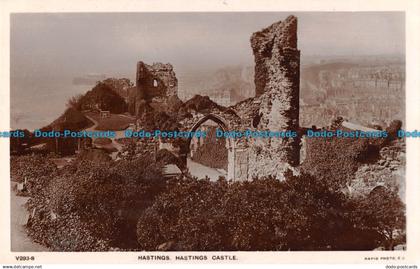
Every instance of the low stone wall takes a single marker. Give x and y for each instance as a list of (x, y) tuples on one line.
[(389, 172)]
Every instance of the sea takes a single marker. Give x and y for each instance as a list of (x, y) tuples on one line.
[(36, 102)]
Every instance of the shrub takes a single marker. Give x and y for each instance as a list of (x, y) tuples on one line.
[(102, 200), (94, 155), (300, 213), (74, 102), (335, 160), (35, 170), (383, 213), (166, 157)]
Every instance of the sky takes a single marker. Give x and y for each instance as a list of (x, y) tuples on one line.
[(49, 49), (77, 43)]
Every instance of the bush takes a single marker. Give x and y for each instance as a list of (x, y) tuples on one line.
[(35, 170), (335, 160), (300, 213), (94, 155), (166, 157), (382, 212), (101, 201)]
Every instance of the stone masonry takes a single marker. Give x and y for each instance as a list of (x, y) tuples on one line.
[(275, 106), (155, 85), (277, 71)]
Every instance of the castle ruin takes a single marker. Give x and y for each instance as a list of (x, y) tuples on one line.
[(275, 106), (155, 85)]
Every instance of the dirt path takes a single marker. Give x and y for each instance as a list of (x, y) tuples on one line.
[(20, 239), (95, 123), (201, 171), (115, 144)]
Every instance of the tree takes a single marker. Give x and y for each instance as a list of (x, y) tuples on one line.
[(382, 212), (74, 102)]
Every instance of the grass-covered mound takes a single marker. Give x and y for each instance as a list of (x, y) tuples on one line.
[(105, 97)]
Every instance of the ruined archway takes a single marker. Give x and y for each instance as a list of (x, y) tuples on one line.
[(275, 106), (210, 117), (197, 144)]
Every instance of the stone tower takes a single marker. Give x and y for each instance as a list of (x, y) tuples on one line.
[(277, 64), (156, 85)]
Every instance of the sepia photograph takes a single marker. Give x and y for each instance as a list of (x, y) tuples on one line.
[(207, 131)]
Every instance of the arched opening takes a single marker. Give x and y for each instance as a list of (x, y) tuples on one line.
[(155, 83), (209, 156)]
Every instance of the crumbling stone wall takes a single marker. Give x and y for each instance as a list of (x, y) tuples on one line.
[(275, 106), (277, 58), (227, 120), (388, 171), (277, 71), (156, 86)]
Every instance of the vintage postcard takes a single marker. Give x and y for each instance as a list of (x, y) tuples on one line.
[(213, 132)]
